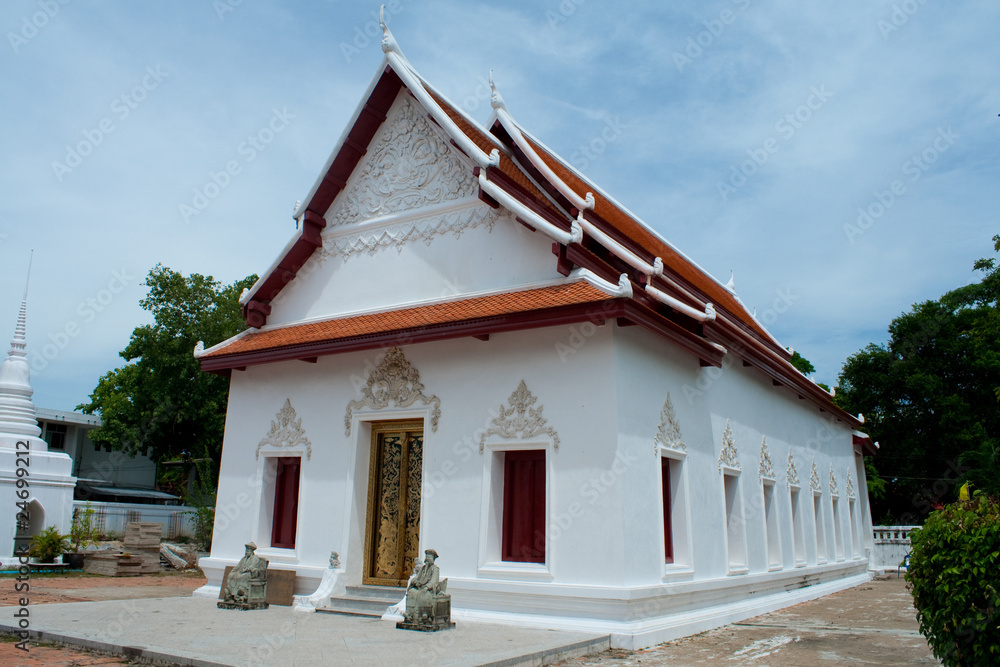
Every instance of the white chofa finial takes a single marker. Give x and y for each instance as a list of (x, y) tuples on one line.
[(388, 41), (731, 285), (496, 100)]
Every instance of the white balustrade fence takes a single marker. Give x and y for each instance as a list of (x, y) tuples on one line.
[(892, 543)]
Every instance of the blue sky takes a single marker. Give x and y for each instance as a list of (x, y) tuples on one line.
[(749, 134)]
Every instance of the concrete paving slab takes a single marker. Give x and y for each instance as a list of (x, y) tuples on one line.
[(871, 624), (193, 631)]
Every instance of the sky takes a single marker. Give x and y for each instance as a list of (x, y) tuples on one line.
[(840, 159)]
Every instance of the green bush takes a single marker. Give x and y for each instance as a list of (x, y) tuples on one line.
[(954, 575), (84, 532), (48, 544)]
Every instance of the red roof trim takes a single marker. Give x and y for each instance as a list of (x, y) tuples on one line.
[(594, 311)]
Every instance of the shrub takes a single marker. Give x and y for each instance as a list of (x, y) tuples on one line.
[(84, 532), (48, 544), (955, 581)]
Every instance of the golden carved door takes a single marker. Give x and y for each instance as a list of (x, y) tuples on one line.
[(394, 483)]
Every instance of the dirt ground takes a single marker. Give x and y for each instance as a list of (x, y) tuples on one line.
[(873, 624), (77, 587)]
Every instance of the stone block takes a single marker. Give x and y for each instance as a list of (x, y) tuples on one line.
[(113, 565), (280, 586)]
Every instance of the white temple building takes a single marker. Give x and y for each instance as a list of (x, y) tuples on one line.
[(467, 345), (35, 483)]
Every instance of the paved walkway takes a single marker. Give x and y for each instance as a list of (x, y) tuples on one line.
[(192, 631), (873, 624), (870, 624)]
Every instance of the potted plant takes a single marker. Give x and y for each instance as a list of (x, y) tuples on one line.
[(48, 544), (82, 535)]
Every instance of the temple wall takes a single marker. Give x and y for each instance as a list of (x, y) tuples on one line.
[(602, 389)]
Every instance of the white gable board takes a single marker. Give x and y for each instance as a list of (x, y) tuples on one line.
[(409, 227)]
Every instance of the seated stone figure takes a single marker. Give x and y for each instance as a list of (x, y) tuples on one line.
[(246, 586), (428, 606)]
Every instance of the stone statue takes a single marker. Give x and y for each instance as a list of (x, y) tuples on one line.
[(428, 606), (246, 586), (334, 560)]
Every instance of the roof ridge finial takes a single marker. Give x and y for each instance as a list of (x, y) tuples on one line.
[(389, 42), (496, 100), (731, 285)]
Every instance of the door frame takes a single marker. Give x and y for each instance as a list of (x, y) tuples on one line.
[(379, 428)]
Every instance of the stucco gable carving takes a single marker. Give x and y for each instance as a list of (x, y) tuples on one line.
[(791, 475), (422, 229), (396, 383), (833, 482), (850, 485), (286, 431), (410, 165), (814, 482), (729, 456), (668, 434), (766, 470), (518, 420)]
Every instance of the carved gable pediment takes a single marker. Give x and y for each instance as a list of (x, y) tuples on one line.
[(393, 383), (520, 419), (766, 470), (729, 457), (286, 431), (408, 166), (668, 435), (791, 474), (814, 482), (412, 184)]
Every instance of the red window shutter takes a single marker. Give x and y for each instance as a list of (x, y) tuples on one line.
[(668, 533), (286, 503), (524, 507)]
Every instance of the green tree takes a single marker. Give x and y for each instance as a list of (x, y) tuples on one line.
[(160, 403), (803, 364), (929, 394)]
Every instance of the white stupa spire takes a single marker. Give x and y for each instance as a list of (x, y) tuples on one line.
[(17, 412)]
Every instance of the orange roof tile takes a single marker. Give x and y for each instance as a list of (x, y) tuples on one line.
[(451, 312)]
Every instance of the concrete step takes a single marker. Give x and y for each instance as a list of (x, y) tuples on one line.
[(371, 601)]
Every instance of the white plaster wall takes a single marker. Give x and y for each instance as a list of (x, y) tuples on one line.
[(479, 260), (471, 378), (704, 399)]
